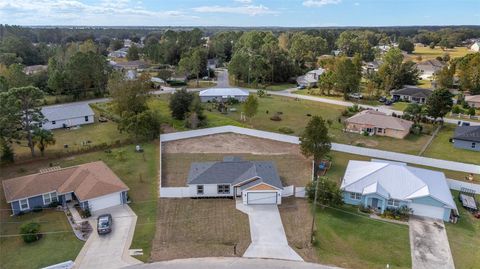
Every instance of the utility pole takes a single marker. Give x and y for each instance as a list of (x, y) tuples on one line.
[(314, 202)]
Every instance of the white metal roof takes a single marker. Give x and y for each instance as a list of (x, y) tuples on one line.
[(396, 181), (224, 92), (67, 111)]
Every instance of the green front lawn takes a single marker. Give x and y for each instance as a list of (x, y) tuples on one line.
[(280, 87), (50, 249), (464, 238), (400, 106), (441, 148), (428, 54), (139, 172), (351, 239)]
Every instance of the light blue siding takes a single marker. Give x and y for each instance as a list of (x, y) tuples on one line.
[(428, 201), (462, 144), (350, 201)]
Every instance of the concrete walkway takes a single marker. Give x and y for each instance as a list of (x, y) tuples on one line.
[(268, 236), (429, 244), (110, 250), (230, 263), (374, 153)]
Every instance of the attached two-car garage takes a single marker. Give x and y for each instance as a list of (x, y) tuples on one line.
[(262, 194), (428, 211), (105, 201)]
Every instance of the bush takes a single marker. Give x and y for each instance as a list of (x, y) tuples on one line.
[(54, 204), (457, 109), (365, 209), (29, 232), (471, 111), (276, 117), (286, 130), (37, 209)]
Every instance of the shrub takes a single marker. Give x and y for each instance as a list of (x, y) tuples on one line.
[(276, 117), (286, 130), (457, 110), (54, 204), (37, 209), (471, 111), (29, 232), (365, 209)]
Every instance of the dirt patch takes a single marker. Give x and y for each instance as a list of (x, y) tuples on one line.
[(366, 143), (230, 143), (167, 128), (192, 228), (292, 169), (297, 220)]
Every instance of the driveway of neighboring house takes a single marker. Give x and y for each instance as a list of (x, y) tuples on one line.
[(267, 233), (110, 250), (429, 244)]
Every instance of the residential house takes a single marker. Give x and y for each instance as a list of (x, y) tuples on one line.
[(255, 182), (467, 137), (370, 67), (429, 68), (93, 185), (378, 123), (223, 94), (473, 100), (121, 53), (67, 115), (382, 184), (212, 63), (412, 94), (310, 79), (34, 69), (475, 46), (131, 65)]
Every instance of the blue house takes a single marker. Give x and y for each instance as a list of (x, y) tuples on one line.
[(93, 186), (467, 137), (382, 184)]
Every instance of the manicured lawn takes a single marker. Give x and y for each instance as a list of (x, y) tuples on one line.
[(427, 53), (139, 172), (350, 239), (49, 250), (464, 238), (201, 84), (441, 148), (427, 84), (400, 106)]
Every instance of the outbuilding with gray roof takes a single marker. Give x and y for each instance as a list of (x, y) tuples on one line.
[(67, 115)]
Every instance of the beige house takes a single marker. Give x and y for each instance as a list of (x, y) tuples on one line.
[(378, 123), (473, 100)]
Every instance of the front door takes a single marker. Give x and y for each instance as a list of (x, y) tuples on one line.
[(374, 203), (68, 197)]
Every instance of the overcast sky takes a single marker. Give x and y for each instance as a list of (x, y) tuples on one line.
[(307, 13)]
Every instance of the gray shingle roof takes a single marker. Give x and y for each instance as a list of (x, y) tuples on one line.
[(468, 133), (413, 91), (234, 171), (66, 111)]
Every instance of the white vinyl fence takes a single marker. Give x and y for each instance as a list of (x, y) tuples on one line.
[(63, 265), (457, 185), (300, 192), (174, 192), (288, 191)]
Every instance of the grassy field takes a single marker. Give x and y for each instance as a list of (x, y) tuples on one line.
[(280, 87), (464, 238), (428, 54), (50, 249), (350, 239), (191, 228), (426, 84), (142, 181), (441, 148), (83, 138), (400, 106), (201, 84)]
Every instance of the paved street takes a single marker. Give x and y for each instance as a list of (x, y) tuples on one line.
[(230, 263), (110, 250), (429, 244), (268, 236)]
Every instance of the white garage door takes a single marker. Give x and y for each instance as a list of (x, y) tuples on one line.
[(261, 198), (427, 211), (104, 201)]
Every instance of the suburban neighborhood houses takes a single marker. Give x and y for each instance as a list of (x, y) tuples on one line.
[(239, 134)]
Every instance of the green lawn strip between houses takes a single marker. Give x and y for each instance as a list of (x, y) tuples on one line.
[(138, 171)]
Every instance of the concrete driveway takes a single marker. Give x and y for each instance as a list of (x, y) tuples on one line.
[(267, 233), (429, 244), (111, 250)]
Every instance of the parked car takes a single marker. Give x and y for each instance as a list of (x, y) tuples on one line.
[(104, 224), (388, 102), (382, 99), (301, 87), (356, 95)]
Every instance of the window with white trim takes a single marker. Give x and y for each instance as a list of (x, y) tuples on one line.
[(223, 189), (199, 189), (355, 196), (48, 198), (24, 204), (393, 202)]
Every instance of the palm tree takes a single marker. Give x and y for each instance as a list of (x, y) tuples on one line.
[(43, 138)]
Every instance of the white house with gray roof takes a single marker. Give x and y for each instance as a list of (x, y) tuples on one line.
[(67, 115), (223, 94), (255, 182)]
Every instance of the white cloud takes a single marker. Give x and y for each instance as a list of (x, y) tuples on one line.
[(356, 4), (320, 3), (252, 10), (244, 1), (69, 12)]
